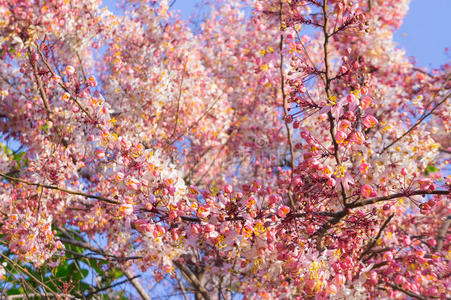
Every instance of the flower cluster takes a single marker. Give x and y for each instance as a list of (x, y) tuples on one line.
[(274, 162)]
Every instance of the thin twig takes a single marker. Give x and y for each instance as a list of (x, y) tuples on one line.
[(111, 286), (442, 233), (64, 87), (182, 287), (52, 187), (39, 83), (397, 195), (341, 214), (133, 281), (373, 242), (45, 287), (178, 108), (193, 279), (285, 112), (409, 293), (138, 287), (421, 119)]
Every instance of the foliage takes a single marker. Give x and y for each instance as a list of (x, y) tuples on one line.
[(289, 152)]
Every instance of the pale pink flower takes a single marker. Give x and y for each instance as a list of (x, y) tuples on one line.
[(369, 121), (92, 81), (203, 211), (358, 138), (340, 136), (365, 102), (126, 209), (70, 70), (364, 167), (367, 191), (283, 211), (228, 189), (99, 153)]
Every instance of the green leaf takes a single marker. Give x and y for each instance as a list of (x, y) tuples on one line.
[(431, 169), (117, 274), (15, 291)]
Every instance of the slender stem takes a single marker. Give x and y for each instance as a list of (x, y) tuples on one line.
[(39, 83), (81, 66), (373, 242), (111, 286), (424, 116), (136, 284), (133, 280), (285, 111), (341, 214), (41, 296), (45, 287), (181, 286), (195, 123), (409, 293), (64, 87), (397, 195), (52, 187), (442, 233), (192, 278), (327, 89), (178, 108)]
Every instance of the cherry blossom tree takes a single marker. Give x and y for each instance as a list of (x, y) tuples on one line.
[(273, 149)]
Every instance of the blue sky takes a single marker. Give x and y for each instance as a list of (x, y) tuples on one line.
[(424, 34)]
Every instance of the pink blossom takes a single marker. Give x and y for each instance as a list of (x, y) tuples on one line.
[(99, 153), (400, 280), (92, 81), (340, 279), (367, 191), (70, 70), (66, 97), (365, 102), (364, 167), (203, 211), (372, 277), (126, 209), (340, 136), (310, 229), (119, 176), (403, 171), (358, 138), (133, 183), (369, 121), (283, 211), (228, 189), (344, 125)]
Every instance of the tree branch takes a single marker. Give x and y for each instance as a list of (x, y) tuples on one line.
[(193, 279), (421, 119), (39, 83), (52, 187), (397, 195), (327, 81), (339, 215), (442, 233), (285, 112), (371, 244), (63, 86), (182, 287), (87, 246), (135, 282), (409, 293), (111, 286)]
